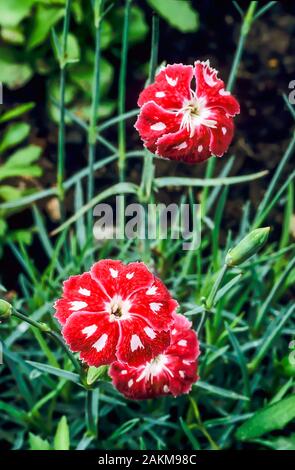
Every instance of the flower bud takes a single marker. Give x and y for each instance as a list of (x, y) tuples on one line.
[(5, 310), (247, 247)]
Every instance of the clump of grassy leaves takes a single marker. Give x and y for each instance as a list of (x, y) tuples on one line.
[(246, 389)]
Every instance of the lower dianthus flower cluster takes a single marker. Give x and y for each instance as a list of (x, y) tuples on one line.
[(123, 316)]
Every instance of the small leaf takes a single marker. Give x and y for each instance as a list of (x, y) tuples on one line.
[(12, 12), (82, 75), (24, 156), (64, 374), (37, 443), (138, 27), (13, 135), (164, 181), (10, 193), (268, 419), (62, 436), (44, 18), (13, 71), (16, 112), (222, 392), (177, 13)]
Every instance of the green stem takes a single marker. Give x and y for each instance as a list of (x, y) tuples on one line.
[(216, 285), (122, 93), (61, 131), (148, 165), (91, 407), (245, 28), (154, 48), (148, 171), (253, 365), (92, 137), (273, 293), (209, 173), (209, 302), (44, 328), (269, 193)]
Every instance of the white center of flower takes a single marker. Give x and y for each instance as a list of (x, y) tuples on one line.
[(154, 368), (195, 113), (118, 308)]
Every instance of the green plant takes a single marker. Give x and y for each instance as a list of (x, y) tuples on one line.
[(20, 164), (241, 308)]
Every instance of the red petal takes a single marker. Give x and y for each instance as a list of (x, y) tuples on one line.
[(222, 135), (184, 344), (208, 85), (154, 121), (133, 277), (180, 146), (106, 273), (140, 342), (171, 87), (184, 374), (171, 373), (125, 380), (155, 305), (79, 293), (94, 336)]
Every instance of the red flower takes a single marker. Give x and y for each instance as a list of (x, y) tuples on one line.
[(170, 373), (180, 123), (116, 312)]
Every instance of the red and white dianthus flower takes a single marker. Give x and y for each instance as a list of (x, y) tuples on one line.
[(116, 312), (181, 123), (170, 373)]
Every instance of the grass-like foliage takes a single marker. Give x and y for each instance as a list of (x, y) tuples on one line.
[(242, 311)]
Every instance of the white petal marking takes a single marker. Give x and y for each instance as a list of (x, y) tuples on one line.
[(89, 330), (124, 372), (129, 275), (83, 291), (135, 343), (200, 148), (182, 342), (160, 94), (114, 272), (174, 331), (152, 290), (155, 306), (165, 389), (130, 383), (181, 146), (77, 305), (171, 81), (224, 130), (150, 332), (182, 374), (223, 92), (158, 126), (187, 363), (100, 343)]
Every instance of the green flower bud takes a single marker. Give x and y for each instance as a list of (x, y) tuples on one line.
[(5, 310), (247, 247)]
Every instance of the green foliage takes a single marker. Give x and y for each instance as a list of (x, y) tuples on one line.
[(177, 13), (268, 419), (244, 316), (62, 435), (37, 443), (26, 29)]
